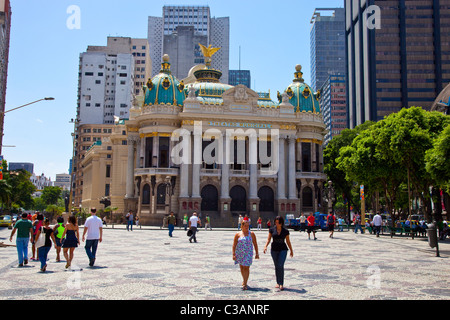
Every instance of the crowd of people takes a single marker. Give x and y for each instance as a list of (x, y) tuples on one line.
[(36, 229), (65, 237)]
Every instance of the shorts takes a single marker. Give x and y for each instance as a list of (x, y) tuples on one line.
[(310, 228), (331, 227), (58, 242)]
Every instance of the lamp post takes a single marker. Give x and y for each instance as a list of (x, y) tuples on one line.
[(2, 118), (168, 194), (75, 123)]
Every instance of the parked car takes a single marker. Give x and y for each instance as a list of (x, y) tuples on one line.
[(6, 221)]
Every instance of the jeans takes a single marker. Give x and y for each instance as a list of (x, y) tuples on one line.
[(194, 231), (130, 223), (171, 227), (377, 229), (279, 257), (358, 226), (91, 248), (43, 253), (22, 248)]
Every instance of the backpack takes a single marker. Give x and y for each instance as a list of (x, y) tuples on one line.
[(330, 219)]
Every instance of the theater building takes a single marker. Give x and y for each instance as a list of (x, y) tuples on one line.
[(217, 149)]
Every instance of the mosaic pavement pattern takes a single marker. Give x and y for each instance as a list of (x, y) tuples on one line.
[(147, 264)]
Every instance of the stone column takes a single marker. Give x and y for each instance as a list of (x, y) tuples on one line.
[(281, 170), (196, 165), (184, 172), (291, 168), (130, 169), (225, 167), (253, 159)]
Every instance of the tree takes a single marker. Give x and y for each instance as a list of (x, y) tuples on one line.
[(51, 195), (341, 184)]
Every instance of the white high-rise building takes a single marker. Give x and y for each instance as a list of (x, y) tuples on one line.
[(216, 31), (109, 77)]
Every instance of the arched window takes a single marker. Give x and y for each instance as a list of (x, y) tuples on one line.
[(307, 197), (146, 194)]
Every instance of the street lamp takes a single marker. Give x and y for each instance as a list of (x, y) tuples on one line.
[(2, 117), (168, 194), (75, 123)]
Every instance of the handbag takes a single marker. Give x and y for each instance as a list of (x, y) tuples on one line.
[(41, 240), (189, 233)]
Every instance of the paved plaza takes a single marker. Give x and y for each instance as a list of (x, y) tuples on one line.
[(146, 264)]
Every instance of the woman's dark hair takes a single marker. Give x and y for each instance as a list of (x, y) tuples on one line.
[(73, 220), (60, 220), (280, 220), (40, 216)]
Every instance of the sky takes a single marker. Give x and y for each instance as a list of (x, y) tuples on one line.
[(274, 36)]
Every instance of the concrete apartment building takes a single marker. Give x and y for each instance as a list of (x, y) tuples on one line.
[(110, 77), (165, 37), (398, 55)]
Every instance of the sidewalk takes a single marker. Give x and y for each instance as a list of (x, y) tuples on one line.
[(147, 264)]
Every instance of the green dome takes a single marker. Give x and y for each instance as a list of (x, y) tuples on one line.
[(164, 88), (208, 88), (301, 95)]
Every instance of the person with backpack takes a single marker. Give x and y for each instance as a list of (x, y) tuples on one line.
[(331, 221)]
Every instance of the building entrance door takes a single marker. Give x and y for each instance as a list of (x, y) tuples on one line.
[(266, 196), (210, 198), (238, 199)]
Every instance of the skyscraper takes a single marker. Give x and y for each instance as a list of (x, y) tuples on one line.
[(398, 55), (5, 29), (239, 77), (327, 45), (333, 100), (215, 30)]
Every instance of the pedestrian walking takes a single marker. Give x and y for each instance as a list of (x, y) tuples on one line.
[(130, 218), (71, 240), (24, 229), (208, 222), (171, 221), (58, 231), (104, 221), (331, 222), (93, 227), (185, 222), (243, 244), (279, 248), (341, 224), (37, 224), (259, 222), (194, 221), (357, 222), (49, 237), (303, 222), (240, 219), (311, 227), (377, 224)]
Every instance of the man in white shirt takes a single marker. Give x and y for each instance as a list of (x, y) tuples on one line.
[(94, 229), (193, 222), (377, 223)]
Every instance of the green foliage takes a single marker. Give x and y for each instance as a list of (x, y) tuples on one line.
[(380, 156), (438, 160), (51, 195)]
